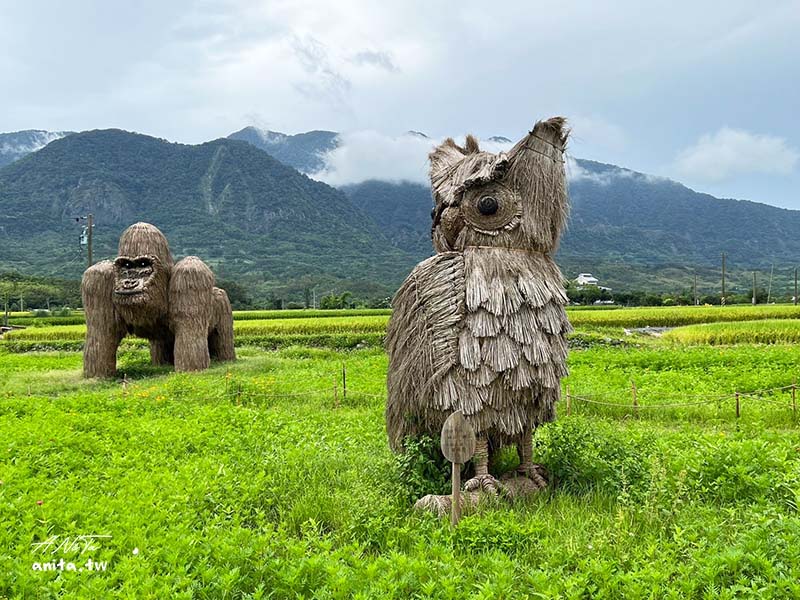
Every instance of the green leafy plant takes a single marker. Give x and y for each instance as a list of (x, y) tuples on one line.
[(421, 468)]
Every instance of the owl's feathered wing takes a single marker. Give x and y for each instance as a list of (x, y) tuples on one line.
[(422, 342), (482, 332)]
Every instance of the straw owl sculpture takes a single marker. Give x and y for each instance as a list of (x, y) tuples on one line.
[(480, 326)]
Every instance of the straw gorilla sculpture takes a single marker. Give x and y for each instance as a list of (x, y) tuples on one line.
[(480, 326), (176, 306)]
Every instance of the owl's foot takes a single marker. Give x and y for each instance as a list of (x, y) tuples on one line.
[(536, 473), (486, 483)]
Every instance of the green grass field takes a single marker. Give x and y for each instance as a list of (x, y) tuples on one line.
[(256, 480)]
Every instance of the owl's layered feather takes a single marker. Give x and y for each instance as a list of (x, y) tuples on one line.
[(481, 332)]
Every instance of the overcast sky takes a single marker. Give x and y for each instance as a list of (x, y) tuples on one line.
[(703, 92)]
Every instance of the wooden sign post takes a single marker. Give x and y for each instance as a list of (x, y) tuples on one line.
[(458, 446)]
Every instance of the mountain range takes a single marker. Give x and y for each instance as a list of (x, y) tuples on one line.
[(245, 205), (251, 217)]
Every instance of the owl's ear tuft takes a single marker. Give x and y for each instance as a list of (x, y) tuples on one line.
[(554, 130), (445, 155), (471, 145), (450, 143)]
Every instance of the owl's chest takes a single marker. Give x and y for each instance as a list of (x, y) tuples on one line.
[(513, 305)]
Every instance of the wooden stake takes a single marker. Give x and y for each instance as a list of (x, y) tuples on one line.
[(569, 402), (635, 399), (794, 398), (458, 446), (455, 512), (737, 405), (344, 383)]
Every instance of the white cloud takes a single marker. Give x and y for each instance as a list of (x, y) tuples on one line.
[(728, 152), (612, 173), (36, 141), (364, 155), (577, 173)]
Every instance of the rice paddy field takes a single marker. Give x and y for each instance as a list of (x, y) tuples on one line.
[(264, 478)]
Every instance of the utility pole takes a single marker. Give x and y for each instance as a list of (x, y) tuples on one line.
[(795, 286), (90, 223), (86, 235), (754, 288), (723, 279), (695, 290), (769, 288)]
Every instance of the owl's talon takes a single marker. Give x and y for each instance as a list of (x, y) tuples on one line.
[(536, 473), (486, 483)]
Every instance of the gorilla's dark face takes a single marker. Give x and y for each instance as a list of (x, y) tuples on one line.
[(135, 278)]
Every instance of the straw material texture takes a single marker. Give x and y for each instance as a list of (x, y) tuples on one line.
[(144, 292), (481, 327)]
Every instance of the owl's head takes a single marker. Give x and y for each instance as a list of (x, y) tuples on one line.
[(512, 200)]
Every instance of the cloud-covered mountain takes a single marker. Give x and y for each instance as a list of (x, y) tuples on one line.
[(14, 146), (630, 228), (259, 220), (303, 151), (253, 218)]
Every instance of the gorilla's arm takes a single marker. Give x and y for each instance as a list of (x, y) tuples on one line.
[(104, 328), (190, 311)]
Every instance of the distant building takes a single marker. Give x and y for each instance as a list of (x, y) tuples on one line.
[(586, 279)]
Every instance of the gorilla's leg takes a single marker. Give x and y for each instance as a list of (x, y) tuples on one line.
[(220, 341), (190, 310), (104, 328), (161, 352)]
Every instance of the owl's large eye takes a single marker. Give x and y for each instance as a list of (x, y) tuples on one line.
[(491, 208), (487, 205)]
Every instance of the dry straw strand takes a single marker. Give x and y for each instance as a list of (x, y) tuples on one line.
[(176, 307)]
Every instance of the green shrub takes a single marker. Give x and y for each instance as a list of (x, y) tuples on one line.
[(582, 455), (421, 468)]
